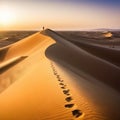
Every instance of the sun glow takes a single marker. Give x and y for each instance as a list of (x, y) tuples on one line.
[(6, 16)]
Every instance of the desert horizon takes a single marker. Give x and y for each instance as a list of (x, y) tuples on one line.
[(59, 60)]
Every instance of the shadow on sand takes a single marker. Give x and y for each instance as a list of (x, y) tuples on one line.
[(3, 53), (71, 55), (12, 64)]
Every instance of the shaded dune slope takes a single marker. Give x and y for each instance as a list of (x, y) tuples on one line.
[(111, 55), (100, 48), (3, 52), (79, 59)]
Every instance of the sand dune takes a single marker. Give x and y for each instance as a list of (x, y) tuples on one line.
[(109, 54), (81, 60), (56, 81), (23, 47), (35, 94)]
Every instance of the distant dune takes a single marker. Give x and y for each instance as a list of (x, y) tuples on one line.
[(46, 77)]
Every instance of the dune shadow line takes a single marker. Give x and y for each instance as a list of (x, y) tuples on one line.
[(3, 53), (12, 64)]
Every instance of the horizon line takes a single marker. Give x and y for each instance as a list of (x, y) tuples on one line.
[(82, 29)]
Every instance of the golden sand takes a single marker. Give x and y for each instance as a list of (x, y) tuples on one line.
[(35, 94), (37, 88)]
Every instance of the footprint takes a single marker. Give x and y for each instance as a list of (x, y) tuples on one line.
[(61, 83), (58, 76), (55, 73), (63, 87), (69, 105), (68, 99), (76, 113), (59, 79), (66, 92)]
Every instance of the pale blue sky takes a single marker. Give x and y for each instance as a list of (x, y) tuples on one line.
[(61, 14)]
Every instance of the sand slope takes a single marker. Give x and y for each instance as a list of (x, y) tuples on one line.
[(79, 59), (36, 94), (56, 80), (107, 53)]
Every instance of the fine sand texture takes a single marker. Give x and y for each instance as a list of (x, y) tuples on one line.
[(45, 77)]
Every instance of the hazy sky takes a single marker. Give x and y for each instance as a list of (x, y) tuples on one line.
[(59, 14)]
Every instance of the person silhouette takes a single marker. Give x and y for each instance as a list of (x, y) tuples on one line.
[(43, 27)]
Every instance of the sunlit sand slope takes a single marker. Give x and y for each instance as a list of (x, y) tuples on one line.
[(23, 47), (45, 78), (16, 53), (35, 94)]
